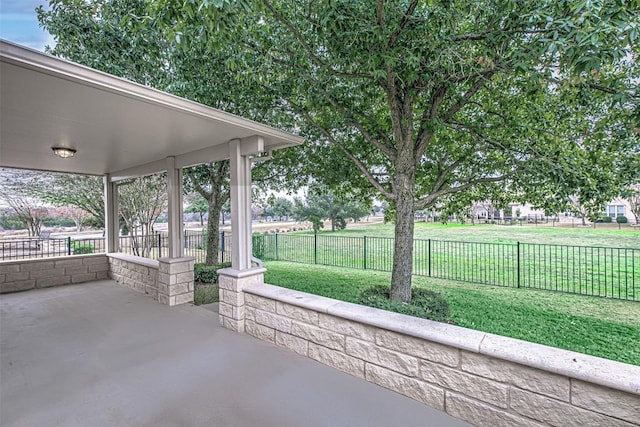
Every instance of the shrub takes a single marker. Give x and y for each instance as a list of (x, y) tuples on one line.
[(606, 218), (258, 246), (205, 294), (208, 273), (424, 303), (622, 219), (79, 248), (58, 222)]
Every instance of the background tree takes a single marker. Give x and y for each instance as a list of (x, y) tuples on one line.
[(77, 215), (198, 205), (28, 211), (82, 192), (141, 201), (323, 204), (633, 196), (211, 182), (16, 190), (585, 209), (279, 207)]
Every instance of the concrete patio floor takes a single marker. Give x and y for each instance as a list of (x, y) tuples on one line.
[(99, 354)]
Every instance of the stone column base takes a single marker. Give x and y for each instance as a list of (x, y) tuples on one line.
[(175, 280), (232, 283)]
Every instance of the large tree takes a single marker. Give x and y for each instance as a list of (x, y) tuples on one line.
[(429, 102)]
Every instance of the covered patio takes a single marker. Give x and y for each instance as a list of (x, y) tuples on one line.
[(99, 354), (111, 127)]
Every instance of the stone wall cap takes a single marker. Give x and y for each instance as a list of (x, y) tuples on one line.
[(596, 370), (167, 260), (54, 258), (134, 259), (289, 296), (604, 372), (239, 274), (443, 333)]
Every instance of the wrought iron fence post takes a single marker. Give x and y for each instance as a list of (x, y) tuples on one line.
[(69, 245), (429, 257), (518, 264), (159, 245), (315, 248), (222, 244), (277, 252), (364, 248)]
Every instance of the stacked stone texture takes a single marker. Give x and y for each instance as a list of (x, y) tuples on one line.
[(483, 390), (168, 280), (134, 274), (232, 296), (43, 273), (175, 281)]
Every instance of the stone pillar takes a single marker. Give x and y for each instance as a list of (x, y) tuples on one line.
[(111, 224), (175, 280), (232, 283)]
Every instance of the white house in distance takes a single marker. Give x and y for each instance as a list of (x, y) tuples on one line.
[(615, 208)]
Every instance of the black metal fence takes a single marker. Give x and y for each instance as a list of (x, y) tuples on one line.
[(15, 249), (586, 270)]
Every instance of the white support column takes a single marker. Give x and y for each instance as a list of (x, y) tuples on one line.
[(232, 281), (240, 206), (174, 190), (111, 215)]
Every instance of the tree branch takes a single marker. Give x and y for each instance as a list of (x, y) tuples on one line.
[(312, 55), (433, 197), (480, 82), (403, 22), (424, 136), (354, 159), (388, 150)]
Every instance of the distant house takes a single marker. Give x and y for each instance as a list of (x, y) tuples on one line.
[(615, 208), (620, 207)]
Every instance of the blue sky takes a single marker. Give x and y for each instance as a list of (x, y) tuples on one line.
[(19, 24)]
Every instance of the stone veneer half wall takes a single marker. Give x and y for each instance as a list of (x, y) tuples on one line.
[(168, 280), (485, 379), (26, 274)]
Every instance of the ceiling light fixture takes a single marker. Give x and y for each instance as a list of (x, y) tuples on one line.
[(63, 152)]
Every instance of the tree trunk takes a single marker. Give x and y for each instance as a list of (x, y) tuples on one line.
[(403, 248), (213, 234)]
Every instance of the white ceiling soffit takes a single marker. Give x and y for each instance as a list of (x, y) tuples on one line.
[(115, 125)]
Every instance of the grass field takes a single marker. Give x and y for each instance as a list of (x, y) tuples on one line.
[(628, 237), (596, 326), (546, 258)]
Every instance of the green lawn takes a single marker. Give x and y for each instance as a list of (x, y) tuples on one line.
[(547, 258), (627, 237), (596, 326)]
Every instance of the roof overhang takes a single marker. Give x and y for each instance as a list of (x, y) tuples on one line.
[(117, 127)]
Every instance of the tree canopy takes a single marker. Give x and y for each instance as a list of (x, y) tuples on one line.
[(438, 102), (420, 102)]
